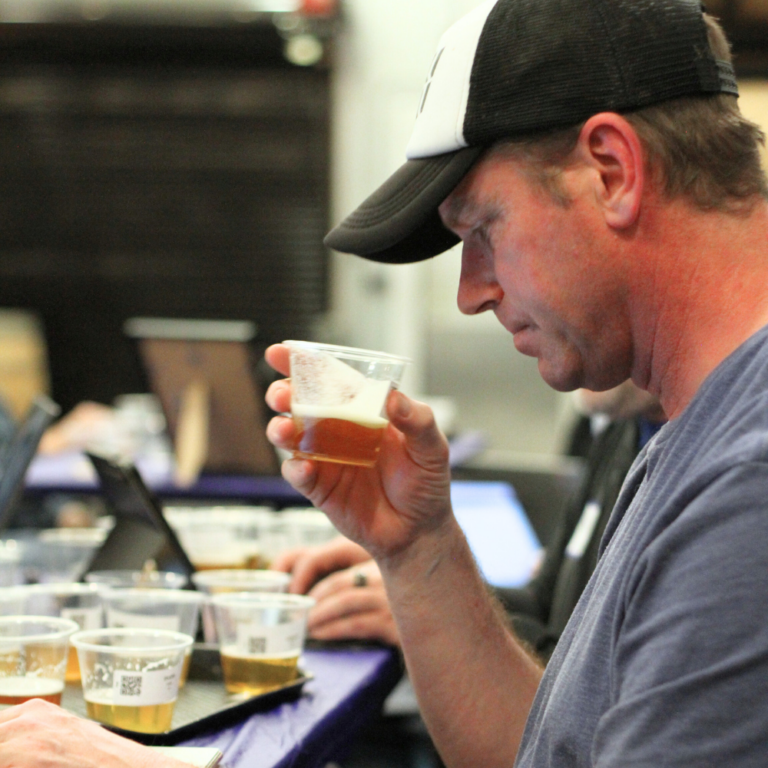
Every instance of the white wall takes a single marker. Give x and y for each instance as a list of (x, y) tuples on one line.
[(381, 62)]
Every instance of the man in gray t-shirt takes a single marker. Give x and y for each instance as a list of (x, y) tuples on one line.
[(591, 157), (667, 653), (608, 194)]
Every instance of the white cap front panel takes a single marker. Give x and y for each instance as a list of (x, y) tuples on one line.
[(440, 121)]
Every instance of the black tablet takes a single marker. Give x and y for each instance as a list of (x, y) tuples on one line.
[(140, 533)]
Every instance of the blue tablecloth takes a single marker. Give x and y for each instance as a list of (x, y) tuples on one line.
[(348, 689)]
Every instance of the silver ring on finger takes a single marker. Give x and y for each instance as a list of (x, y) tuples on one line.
[(359, 579)]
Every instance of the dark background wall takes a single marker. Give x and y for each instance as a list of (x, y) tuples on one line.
[(162, 171)]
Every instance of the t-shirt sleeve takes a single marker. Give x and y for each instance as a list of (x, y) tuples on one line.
[(689, 682)]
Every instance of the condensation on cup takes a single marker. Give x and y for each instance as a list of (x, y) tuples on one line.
[(338, 398)]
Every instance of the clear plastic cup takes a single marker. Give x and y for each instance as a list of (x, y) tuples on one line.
[(235, 580), (56, 554), (261, 637), (33, 657), (10, 558), (138, 579), (338, 397), (175, 610), (220, 537), (13, 601), (131, 676), (72, 600)]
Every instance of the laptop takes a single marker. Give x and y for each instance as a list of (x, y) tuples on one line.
[(141, 532), (204, 375), (498, 531), (18, 452)]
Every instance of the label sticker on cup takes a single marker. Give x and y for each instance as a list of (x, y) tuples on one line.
[(120, 619), (157, 686), (253, 639), (85, 618)]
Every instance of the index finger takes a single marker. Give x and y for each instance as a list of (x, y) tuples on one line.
[(277, 355)]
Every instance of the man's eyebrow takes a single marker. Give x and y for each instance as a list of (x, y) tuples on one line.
[(460, 211)]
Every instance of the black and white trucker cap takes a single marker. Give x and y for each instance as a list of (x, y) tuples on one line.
[(512, 68)]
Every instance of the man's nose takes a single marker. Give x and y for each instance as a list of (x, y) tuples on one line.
[(479, 291)]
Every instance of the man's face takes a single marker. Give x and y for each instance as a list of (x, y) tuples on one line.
[(545, 268)]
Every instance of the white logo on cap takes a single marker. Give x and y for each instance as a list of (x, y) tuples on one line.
[(431, 74)]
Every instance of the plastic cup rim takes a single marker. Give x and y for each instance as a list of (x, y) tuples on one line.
[(354, 353), (178, 641), (67, 628), (118, 573), (61, 588), (165, 596), (263, 599), (238, 576)]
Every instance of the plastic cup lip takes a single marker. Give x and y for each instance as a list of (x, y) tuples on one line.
[(153, 579), (14, 590), (61, 588), (88, 640), (263, 600), (239, 577), (62, 629), (352, 353), (155, 596)]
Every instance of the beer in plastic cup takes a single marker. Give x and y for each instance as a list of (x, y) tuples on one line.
[(338, 398), (33, 657), (177, 610), (77, 602), (235, 580), (131, 676), (261, 637)]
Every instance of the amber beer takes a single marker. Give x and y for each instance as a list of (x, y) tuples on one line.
[(255, 674), (148, 718), (331, 438), (17, 690)]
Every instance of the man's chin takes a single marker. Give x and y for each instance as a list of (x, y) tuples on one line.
[(560, 379)]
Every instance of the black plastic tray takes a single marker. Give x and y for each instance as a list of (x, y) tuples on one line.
[(203, 704)]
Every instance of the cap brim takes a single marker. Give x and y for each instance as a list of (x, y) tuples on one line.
[(399, 222)]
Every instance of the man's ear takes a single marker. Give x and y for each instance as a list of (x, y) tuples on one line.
[(609, 144)]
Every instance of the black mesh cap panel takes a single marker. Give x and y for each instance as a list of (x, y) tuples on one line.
[(542, 65)]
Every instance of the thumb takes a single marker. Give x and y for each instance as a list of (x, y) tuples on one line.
[(425, 443)]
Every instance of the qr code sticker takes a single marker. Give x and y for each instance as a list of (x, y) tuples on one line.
[(257, 645), (130, 685)]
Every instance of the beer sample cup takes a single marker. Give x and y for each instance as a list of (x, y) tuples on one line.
[(235, 580), (77, 602), (175, 610), (33, 657), (131, 676), (338, 398), (261, 637)]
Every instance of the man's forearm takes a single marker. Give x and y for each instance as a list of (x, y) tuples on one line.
[(475, 683)]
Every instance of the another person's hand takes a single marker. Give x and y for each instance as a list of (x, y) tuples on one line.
[(308, 565), (352, 605), (42, 735), (385, 508)]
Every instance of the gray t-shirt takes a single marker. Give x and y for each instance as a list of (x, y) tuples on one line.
[(665, 659)]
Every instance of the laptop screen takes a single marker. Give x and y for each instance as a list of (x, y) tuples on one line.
[(498, 531)]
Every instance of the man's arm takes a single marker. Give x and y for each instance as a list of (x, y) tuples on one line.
[(474, 681)]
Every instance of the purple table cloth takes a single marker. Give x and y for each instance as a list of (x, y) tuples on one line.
[(348, 689)]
